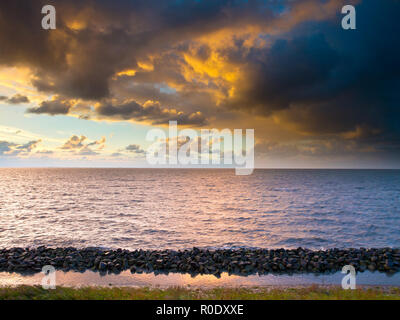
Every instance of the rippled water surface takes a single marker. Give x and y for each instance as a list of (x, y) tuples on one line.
[(160, 208), (126, 279)]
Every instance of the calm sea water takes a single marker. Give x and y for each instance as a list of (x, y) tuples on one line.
[(176, 209)]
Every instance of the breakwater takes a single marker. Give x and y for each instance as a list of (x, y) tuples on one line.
[(200, 261)]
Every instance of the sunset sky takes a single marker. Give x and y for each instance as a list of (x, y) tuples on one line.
[(85, 94)]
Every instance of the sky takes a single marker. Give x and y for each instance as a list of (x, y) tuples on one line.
[(87, 93)]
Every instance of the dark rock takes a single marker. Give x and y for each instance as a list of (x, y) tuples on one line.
[(203, 261), (102, 266)]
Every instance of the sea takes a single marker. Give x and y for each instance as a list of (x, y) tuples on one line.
[(206, 208)]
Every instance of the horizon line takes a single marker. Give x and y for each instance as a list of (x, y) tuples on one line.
[(198, 168)]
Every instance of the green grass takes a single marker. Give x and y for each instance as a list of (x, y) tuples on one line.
[(126, 293)]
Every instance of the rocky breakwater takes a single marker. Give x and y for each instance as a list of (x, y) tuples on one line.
[(200, 261)]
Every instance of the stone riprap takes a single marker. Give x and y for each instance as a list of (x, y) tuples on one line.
[(200, 261)]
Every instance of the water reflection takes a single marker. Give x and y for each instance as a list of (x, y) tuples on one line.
[(125, 278)]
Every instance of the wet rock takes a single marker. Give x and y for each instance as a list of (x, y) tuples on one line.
[(102, 266), (200, 261), (372, 267)]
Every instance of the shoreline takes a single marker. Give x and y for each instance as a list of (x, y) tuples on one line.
[(196, 261)]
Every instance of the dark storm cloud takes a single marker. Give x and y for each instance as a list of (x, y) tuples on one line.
[(150, 111), (116, 33), (51, 107), (291, 71), (310, 74), (15, 99), (327, 80)]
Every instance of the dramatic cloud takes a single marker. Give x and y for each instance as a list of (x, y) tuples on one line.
[(94, 40), (130, 110), (15, 99), (52, 107), (331, 81), (150, 111), (209, 62)]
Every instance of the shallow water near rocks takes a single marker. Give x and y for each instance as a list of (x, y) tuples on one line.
[(126, 279)]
